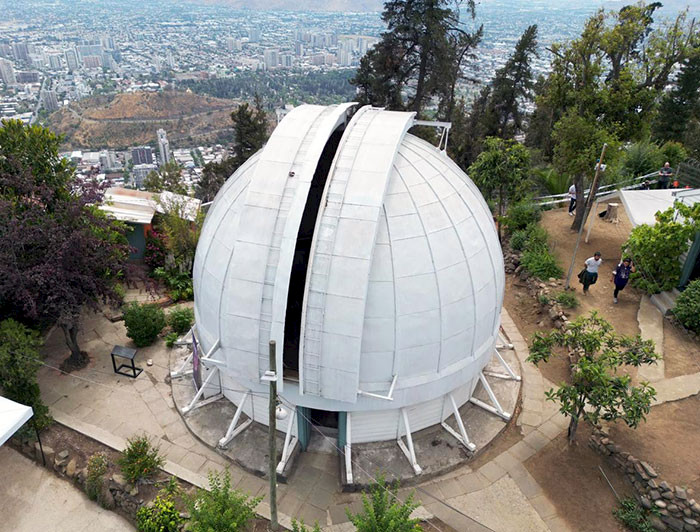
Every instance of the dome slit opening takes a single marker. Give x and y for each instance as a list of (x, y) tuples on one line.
[(302, 253)]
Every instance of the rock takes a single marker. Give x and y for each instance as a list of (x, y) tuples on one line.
[(672, 508), (695, 507), (691, 522), (667, 495), (660, 503), (71, 468), (49, 453), (674, 523), (657, 523), (184, 515), (652, 484), (81, 475), (107, 499), (649, 470), (645, 502), (119, 480), (664, 486), (134, 491), (681, 493), (63, 455)]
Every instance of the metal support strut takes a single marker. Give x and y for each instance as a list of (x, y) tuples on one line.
[(496, 408), (193, 403), (348, 449), (409, 452), (508, 375), (290, 442), (233, 430), (462, 436)]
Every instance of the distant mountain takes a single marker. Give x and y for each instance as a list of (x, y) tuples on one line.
[(307, 5)]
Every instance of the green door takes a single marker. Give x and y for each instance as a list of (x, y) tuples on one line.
[(342, 429), (690, 266)]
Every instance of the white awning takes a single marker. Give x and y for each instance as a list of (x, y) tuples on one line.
[(12, 417), (642, 205)]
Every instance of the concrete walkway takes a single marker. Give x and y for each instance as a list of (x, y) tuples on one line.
[(501, 495), (34, 499), (651, 327)]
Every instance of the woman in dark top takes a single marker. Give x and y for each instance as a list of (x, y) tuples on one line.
[(621, 275)]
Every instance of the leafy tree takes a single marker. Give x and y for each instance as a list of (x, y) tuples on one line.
[(140, 460), (250, 127), (383, 511), (656, 248), (214, 175), (579, 141), (687, 308), (596, 391), (60, 252), (419, 56), (220, 508), (500, 171), (181, 227), (19, 363), (513, 84), (167, 177)]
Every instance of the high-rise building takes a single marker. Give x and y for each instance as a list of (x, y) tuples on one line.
[(85, 50), (7, 72), (140, 171), (21, 51), (299, 48), (318, 59), (5, 50), (107, 42), (230, 44), (71, 60), (286, 60), (271, 58), (163, 146), (55, 61), (108, 160), (170, 60), (49, 100), (92, 61), (142, 155), (27, 77), (254, 34)]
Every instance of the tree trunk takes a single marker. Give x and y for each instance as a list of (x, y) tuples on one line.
[(70, 331), (573, 425), (420, 84), (580, 204)]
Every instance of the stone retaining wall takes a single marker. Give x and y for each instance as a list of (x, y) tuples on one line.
[(677, 510)]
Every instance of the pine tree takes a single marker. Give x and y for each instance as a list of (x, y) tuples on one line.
[(681, 104), (250, 128)]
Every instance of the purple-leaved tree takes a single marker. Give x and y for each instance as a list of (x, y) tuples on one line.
[(59, 252)]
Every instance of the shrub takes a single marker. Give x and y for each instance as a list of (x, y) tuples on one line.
[(181, 320), (518, 239), (566, 299), (300, 527), (140, 460), (537, 237), (520, 215), (178, 283), (221, 508), (19, 363), (161, 517), (674, 153), (687, 308), (383, 511), (156, 250), (171, 338), (120, 292), (540, 263), (143, 323), (96, 469), (543, 299), (633, 516)]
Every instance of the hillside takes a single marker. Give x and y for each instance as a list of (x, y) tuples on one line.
[(131, 119)]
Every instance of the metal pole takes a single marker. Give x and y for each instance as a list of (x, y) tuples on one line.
[(587, 208), (41, 447), (272, 451)]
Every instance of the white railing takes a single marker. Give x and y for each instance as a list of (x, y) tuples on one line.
[(602, 191)]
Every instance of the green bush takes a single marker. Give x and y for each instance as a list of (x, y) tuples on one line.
[(221, 508), (171, 338), (674, 153), (300, 527), (537, 237), (687, 308), (94, 483), (140, 460), (518, 240), (520, 215), (633, 516), (540, 263), (178, 283), (566, 299), (143, 323), (543, 299), (383, 511), (162, 516), (181, 320)]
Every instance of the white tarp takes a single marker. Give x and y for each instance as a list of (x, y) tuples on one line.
[(12, 417)]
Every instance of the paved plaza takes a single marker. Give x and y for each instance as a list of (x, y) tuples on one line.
[(500, 495), (33, 498)]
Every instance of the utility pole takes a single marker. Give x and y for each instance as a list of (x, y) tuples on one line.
[(587, 208), (272, 441)]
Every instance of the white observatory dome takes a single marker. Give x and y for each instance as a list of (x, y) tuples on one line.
[(368, 256)]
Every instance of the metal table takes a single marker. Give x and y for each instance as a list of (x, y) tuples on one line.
[(128, 353)]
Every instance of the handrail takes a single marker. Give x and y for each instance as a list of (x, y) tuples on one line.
[(604, 190)]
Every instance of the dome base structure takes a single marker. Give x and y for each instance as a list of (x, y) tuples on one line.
[(371, 260)]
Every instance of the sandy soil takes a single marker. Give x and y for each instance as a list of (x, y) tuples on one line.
[(570, 477), (681, 353), (669, 441)]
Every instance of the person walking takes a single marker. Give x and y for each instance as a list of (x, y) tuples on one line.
[(572, 199), (589, 275), (621, 275), (665, 175)]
